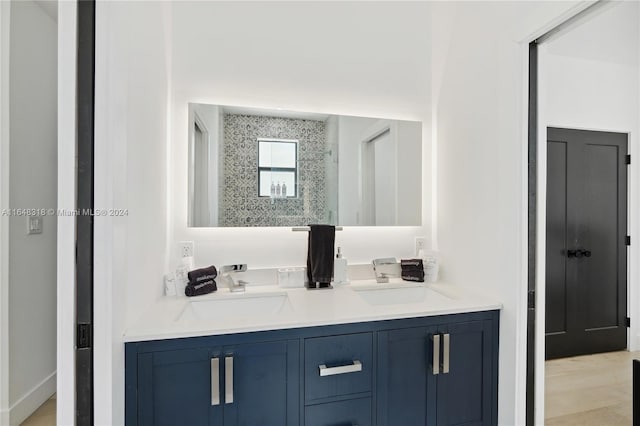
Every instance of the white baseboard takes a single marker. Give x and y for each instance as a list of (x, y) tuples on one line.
[(4, 417), (30, 401), (635, 344)]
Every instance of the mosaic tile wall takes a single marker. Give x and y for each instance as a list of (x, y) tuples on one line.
[(241, 204)]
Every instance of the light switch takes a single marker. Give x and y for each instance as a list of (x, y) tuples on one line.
[(34, 225)]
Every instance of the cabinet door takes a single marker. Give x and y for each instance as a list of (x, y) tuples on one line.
[(406, 386), (261, 384), (175, 388), (466, 392)]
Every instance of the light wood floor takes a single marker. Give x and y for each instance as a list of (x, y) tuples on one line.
[(590, 390), (584, 390), (43, 416)]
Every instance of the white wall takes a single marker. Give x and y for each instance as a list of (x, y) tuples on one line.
[(32, 258), (245, 54), (408, 172), (65, 395), (479, 87), (132, 96), (282, 55), (589, 79), (5, 23)]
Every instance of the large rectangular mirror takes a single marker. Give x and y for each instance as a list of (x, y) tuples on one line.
[(258, 167)]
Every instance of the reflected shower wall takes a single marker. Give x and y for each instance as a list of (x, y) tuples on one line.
[(243, 206), (331, 170)]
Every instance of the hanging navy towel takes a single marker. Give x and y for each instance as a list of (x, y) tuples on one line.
[(320, 255)]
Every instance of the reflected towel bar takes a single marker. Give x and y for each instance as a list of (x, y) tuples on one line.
[(307, 229)]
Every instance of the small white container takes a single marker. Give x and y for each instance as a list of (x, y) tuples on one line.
[(182, 279), (170, 284), (431, 265), (340, 269)]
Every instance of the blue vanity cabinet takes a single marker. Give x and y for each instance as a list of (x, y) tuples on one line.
[(174, 387), (261, 386), (350, 412), (338, 380), (406, 387), (466, 391), (422, 371), (248, 384), (442, 375)]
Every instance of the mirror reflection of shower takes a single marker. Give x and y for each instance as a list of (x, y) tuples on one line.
[(256, 167), (329, 158)]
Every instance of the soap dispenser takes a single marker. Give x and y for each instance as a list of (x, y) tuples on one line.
[(340, 269)]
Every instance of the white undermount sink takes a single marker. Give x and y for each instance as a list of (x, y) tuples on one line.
[(400, 295), (236, 306)]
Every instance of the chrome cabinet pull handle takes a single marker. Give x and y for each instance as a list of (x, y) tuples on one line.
[(354, 367), (228, 380), (436, 353), (445, 351), (215, 381)]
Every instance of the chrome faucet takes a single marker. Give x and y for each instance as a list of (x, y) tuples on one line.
[(226, 271), (383, 263)]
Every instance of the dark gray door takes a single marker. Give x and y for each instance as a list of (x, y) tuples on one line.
[(586, 273)]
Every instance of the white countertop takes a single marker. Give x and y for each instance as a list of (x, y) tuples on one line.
[(171, 316)]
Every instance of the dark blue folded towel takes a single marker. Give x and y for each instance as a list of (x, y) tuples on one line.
[(200, 289), (411, 264), (415, 275), (203, 274)]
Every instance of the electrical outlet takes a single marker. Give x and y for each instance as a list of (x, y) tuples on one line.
[(186, 248), (420, 243)]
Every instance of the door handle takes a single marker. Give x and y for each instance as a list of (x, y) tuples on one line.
[(215, 381), (354, 367), (445, 353), (435, 338), (578, 253), (228, 380)]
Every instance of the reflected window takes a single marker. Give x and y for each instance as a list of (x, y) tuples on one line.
[(277, 168)]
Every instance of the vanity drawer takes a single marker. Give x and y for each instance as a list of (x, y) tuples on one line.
[(338, 365), (353, 412)]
